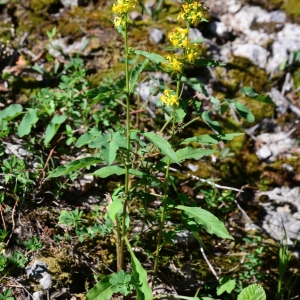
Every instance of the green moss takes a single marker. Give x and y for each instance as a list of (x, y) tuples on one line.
[(39, 5)]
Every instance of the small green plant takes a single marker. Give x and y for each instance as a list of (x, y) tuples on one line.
[(33, 244), (7, 295)]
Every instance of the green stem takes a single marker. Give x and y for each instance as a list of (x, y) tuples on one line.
[(127, 162)]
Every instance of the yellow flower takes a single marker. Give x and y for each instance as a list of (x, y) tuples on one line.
[(174, 64), (192, 11), (121, 9), (192, 52), (169, 98)]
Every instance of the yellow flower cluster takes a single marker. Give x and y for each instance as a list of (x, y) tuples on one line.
[(179, 37), (192, 11), (174, 64), (121, 10), (169, 98)]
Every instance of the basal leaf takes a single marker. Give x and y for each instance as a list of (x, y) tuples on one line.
[(211, 139), (135, 72), (29, 119), (203, 217), (192, 153), (253, 94), (226, 285), (53, 127), (204, 62), (243, 111), (252, 292), (139, 276), (109, 152), (74, 166), (163, 145), (155, 58), (11, 112), (214, 125), (102, 290)]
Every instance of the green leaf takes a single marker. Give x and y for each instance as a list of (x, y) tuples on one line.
[(155, 58), (204, 62), (190, 152), (203, 217), (214, 125), (115, 170), (29, 119), (252, 292), (135, 72), (53, 127), (109, 151), (253, 94), (163, 145), (139, 276), (226, 285), (74, 166), (102, 290), (211, 139), (11, 112), (65, 218), (114, 208), (100, 93), (88, 137), (195, 84), (243, 111)]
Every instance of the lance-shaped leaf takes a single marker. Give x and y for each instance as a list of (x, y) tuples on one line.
[(211, 139), (100, 93), (192, 153), (139, 276), (74, 165), (115, 170), (243, 111), (155, 58), (11, 112), (195, 84), (102, 290), (253, 94), (53, 127), (163, 145), (214, 125), (28, 121), (203, 217), (135, 72)]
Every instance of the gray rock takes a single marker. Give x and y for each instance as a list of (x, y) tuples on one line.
[(156, 35), (69, 3), (218, 29), (255, 53), (195, 34), (38, 295)]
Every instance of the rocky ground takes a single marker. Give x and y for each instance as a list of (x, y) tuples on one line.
[(260, 44)]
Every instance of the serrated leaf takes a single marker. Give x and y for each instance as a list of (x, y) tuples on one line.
[(163, 145), (211, 139), (53, 127), (74, 165), (11, 112), (135, 72), (203, 217), (253, 94), (226, 285), (192, 153), (204, 62), (214, 125), (195, 84), (139, 276), (155, 58), (252, 292), (102, 290), (29, 119), (243, 111)]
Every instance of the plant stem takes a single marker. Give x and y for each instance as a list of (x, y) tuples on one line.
[(127, 161)]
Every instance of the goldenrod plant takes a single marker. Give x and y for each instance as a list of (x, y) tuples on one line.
[(141, 154)]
